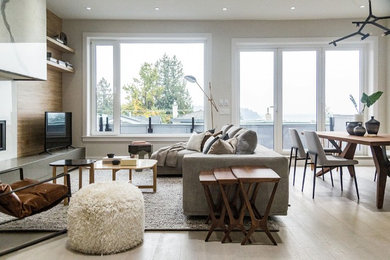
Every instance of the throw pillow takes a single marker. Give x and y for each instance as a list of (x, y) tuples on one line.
[(195, 142), (205, 138), (209, 143), (246, 142), (233, 130), (225, 128), (222, 147)]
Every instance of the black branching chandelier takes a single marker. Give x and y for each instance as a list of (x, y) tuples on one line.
[(371, 19)]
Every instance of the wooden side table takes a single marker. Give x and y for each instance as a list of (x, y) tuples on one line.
[(80, 163), (140, 148), (217, 213), (226, 179), (253, 175)]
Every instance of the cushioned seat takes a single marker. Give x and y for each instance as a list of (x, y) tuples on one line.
[(106, 218), (31, 200)]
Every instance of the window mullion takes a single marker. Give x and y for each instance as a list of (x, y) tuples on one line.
[(117, 88), (278, 100), (320, 91)]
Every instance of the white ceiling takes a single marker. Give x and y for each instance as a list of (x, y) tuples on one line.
[(212, 9)]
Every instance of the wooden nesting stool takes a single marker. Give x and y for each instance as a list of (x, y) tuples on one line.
[(216, 212), (253, 175), (226, 180)]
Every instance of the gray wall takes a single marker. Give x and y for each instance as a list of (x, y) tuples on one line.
[(222, 34)]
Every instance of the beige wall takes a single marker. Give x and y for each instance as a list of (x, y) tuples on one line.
[(222, 33)]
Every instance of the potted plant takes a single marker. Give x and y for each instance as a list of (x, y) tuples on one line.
[(367, 101)]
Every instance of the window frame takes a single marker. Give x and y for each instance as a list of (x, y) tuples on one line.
[(90, 40), (368, 80)]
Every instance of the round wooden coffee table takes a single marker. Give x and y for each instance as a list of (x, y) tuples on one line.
[(141, 164)]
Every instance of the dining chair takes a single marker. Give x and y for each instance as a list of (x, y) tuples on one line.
[(320, 160), (298, 152)]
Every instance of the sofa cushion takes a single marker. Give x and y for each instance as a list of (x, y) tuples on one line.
[(31, 200), (207, 135), (209, 143), (195, 142), (225, 128), (246, 141), (221, 146), (233, 131)]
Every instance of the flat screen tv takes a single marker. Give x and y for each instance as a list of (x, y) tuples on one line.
[(58, 130)]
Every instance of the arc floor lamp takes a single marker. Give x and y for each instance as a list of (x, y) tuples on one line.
[(213, 106)]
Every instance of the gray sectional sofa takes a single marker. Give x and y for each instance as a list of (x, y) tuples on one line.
[(190, 163)]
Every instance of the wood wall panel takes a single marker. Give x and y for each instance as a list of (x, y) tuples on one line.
[(53, 24), (36, 97)]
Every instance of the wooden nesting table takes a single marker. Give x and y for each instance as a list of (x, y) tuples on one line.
[(236, 179)]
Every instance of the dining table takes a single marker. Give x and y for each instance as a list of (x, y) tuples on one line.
[(376, 144)]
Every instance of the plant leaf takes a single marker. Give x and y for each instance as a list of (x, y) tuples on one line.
[(373, 98), (364, 98), (354, 102)]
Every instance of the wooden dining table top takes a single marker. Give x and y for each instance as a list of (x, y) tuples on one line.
[(378, 140)]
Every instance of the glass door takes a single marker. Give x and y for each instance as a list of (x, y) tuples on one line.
[(299, 83), (257, 82)]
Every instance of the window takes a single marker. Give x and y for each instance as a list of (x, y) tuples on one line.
[(138, 86), (303, 87)]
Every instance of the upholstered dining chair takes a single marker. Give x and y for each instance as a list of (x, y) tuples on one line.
[(298, 152), (320, 160)]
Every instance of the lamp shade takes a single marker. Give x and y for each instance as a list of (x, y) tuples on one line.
[(190, 78)]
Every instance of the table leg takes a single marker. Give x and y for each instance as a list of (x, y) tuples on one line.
[(382, 172), (66, 200), (130, 176), (91, 173), (155, 178), (114, 174), (80, 177), (54, 174)]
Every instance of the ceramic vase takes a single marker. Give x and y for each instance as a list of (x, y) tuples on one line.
[(359, 130), (372, 126)]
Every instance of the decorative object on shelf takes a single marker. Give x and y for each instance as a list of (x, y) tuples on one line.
[(350, 127), (371, 19), (359, 130), (192, 79), (372, 126), (100, 123), (62, 38), (116, 162), (110, 155)]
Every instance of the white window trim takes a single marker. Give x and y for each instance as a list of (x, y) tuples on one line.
[(368, 83), (88, 119)]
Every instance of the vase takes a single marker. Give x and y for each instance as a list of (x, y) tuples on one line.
[(372, 126), (350, 126), (359, 130), (358, 117)]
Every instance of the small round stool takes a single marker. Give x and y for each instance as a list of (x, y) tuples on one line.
[(106, 218)]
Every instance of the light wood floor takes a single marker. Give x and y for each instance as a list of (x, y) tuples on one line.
[(332, 226)]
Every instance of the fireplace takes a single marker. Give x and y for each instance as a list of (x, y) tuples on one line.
[(2, 135)]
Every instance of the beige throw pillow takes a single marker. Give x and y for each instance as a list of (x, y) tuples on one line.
[(223, 147), (195, 142)]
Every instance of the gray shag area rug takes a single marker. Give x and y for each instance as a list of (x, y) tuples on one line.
[(163, 209)]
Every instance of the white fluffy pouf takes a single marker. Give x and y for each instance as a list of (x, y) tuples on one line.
[(106, 218)]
